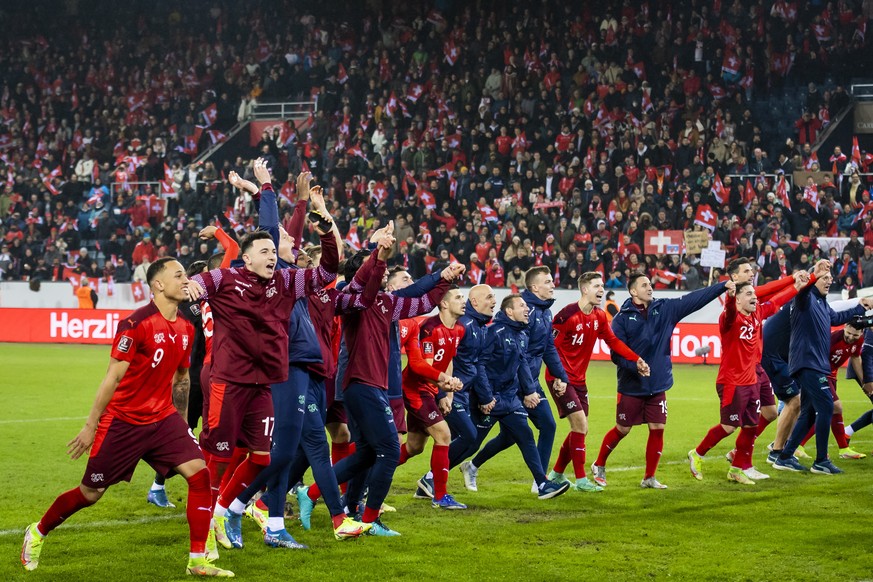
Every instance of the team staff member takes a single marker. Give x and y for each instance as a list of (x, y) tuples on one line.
[(646, 325), (505, 371), (139, 413)]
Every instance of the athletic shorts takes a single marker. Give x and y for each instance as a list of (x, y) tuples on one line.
[(635, 410), (237, 416), (574, 399), (768, 398), (426, 415), (740, 405), (784, 386), (398, 409), (119, 446), (832, 384)]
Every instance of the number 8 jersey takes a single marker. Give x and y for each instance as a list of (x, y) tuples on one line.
[(155, 349)]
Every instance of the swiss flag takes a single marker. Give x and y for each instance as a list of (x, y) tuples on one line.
[(391, 106), (864, 211), (136, 101), (451, 51), (731, 63), (706, 217), (474, 274), (352, 239), (379, 193), (209, 115), (356, 151), (646, 103), (813, 159), (344, 126), (639, 70), (167, 189), (811, 196), (659, 242), (719, 191), (341, 75), (748, 193), (51, 187), (782, 193), (414, 92), (215, 136), (287, 193), (138, 291), (427, 199), (856, 152), (428, 262), (168, 173), (454, 140), (488, 213)]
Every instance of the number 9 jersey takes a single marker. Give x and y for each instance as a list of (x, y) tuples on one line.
[(155, 349)]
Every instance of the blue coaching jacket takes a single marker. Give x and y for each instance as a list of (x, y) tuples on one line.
[(542, 343), (504, 367), (465, 362), (650, 338), (866, 361), (811, 321)]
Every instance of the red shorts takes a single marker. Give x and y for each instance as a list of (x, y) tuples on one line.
[(634, 410), (236, 416), (832, 384), (118, 447), (768, 398), (426, 415), (574, 399), (740, 405), (398, 410)]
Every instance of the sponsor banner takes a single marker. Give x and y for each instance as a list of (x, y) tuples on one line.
[(67, 326), (863, 117), (687, 337)]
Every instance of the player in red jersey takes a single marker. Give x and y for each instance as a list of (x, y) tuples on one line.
[(139, 413), (737, 385), (846, 344), (428, 385), (575, 329)]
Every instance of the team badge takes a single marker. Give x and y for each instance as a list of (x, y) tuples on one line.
[(159, 338), (427, 348), (124, 344), (184, 342)]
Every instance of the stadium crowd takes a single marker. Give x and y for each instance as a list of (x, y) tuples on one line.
[(502, 139)]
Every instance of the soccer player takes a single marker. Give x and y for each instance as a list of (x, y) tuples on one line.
[(430, 349), (539, 296), (576, 328), (808, 365), (139, 414), (252, 307), (365, 384), (863, 377), (478, 312), (737, 382), (846, 344), (504, 372), (646, 325)]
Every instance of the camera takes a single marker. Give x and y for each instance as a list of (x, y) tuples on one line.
[(862, 321)]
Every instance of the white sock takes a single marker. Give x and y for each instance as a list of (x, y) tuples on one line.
[(473, 467), (849, 431), (275, 523), (237, 506), (195, 555), (156, 487), (429, 475), (220, 510)]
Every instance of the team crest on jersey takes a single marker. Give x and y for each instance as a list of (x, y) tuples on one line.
[(124, 344), (271, 292), (579, 327), (442, 341), (184, 342), (595, 325), (159, 338), (404, 331), (427, 348)]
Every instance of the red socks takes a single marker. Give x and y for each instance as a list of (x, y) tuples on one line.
[(218, 469), (654, 446), (839, 430), (610, 441), (239, 455), (337, 520), (313, 492), (745, 446), (199, 510), (242, 477), (404, 455), (577, 453), (439, 466), (712, 438), (339, 451), (370, 515), (763, 423), (64, 506), (563, 456)]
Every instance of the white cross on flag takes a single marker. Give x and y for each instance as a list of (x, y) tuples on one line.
[(705, 217), (659, 242)]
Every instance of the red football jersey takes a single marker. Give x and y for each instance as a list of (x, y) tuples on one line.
[(434, 341), (575, 333), (741, 342), (155, 348), (841, 351)]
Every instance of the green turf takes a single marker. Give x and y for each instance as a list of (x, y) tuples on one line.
[(792, 527)]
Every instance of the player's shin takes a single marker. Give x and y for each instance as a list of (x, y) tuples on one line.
[(199, 511)]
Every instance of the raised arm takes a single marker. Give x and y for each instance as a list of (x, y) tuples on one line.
[(728, 317), (365, 285), (308, 281), (688, 304), (231, 248), (298, 219), (268, 208)]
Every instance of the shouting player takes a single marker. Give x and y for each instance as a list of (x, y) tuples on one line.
[(139, 413), (576, 328)]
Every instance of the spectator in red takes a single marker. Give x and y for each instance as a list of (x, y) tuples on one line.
[(808, 127), (144, 251)]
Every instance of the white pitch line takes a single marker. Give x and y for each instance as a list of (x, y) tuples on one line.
[(100, 524), (59, 418)]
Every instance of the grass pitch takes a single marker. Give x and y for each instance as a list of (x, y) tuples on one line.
[(790, 527)]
